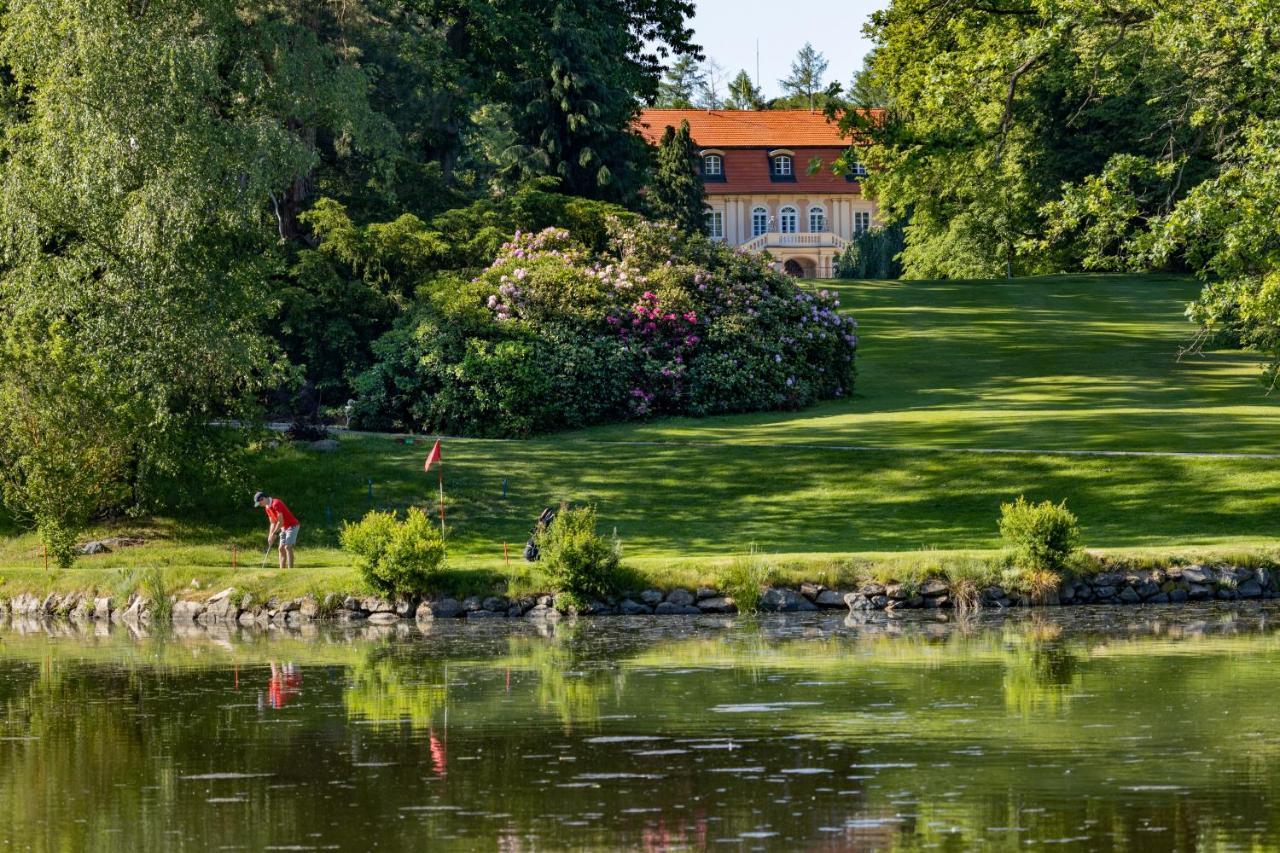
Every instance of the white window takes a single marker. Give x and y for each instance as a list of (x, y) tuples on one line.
[(759, 221), (787, 219), (715, 224), (861, 221), (859, 170), (782, 165), (817, 219), (712, 165)]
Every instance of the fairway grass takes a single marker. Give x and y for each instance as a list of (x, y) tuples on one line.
[(882, 481)]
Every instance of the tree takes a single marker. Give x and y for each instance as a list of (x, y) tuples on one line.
[(683, 80), (969, 156), (1025, 136), (865, 90), (676, 193), (708, 95), (147, 151), (581, 70), (743, 94), (805, 81)]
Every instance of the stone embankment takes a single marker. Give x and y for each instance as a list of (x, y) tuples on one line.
[(1160, 586), (1173, 585)]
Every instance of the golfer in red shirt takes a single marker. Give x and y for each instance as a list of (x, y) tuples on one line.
[(282, 522)]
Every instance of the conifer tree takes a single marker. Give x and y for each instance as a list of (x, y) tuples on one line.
[(676, 194), (681, 82), (806, 75), (743, 94)]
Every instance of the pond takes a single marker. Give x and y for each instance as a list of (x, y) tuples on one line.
[(1103, 729)]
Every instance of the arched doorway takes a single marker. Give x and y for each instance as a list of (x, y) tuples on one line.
[(800, 267)]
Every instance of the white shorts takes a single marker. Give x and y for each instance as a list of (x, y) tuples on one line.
[(289, 536)]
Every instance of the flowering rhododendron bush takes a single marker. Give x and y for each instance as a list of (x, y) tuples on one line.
[(553, 336)]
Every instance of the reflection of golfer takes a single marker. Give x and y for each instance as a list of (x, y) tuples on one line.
[(285, 684), (282, 522)]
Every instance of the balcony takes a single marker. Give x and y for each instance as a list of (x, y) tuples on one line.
[(795, 240)]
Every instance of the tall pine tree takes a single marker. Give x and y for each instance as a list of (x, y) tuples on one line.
[(676, 194), (683, 80), (807, 72)]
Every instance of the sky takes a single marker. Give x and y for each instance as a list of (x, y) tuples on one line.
[(728, 29)]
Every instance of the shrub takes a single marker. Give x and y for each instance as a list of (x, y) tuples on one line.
[(874, 254), (557, 334), (395, 557), (1041, 536), (579, 560), (744, 580)]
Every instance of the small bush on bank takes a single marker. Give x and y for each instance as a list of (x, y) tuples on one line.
[(395, 557), (580, 561), (1042, 536), (744, 580)]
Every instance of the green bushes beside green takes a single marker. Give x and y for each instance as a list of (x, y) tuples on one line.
[(874, 254), (1041, 536), (579, 561), (395, 557), (556, 334)]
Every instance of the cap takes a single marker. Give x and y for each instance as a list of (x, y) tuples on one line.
[(257, 496)]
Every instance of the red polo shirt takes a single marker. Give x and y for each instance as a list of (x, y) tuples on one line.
[(277, 511)]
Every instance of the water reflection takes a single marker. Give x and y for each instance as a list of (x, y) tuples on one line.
[(1129, 729)]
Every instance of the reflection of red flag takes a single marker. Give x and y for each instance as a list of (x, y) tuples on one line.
[(439, 758), (432, 457)]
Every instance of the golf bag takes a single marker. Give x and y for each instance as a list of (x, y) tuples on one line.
[(531, 547)]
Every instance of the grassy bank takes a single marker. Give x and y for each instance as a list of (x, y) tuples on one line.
[(882, 482)]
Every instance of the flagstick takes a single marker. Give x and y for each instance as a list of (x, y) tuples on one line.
[(440, 472)]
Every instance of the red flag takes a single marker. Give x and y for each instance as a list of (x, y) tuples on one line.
[(432, 457)]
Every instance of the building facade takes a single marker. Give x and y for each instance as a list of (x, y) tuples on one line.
[(770, 185)]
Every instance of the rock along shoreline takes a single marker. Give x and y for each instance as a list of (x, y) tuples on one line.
[(1174, 585)]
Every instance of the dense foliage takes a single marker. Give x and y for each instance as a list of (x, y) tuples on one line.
[(874, 253), (210, 203), (555, 334), (140, 150), (1027, 136), (579, 560), (1040, 536), (396, 557)]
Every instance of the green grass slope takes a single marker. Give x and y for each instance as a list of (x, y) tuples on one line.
[(1061, 362), (1043, 364)]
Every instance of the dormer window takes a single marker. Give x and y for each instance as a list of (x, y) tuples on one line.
[(712, 164), (782, 165), (856, 172)]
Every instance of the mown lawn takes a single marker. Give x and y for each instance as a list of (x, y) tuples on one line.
[(1045, 364)]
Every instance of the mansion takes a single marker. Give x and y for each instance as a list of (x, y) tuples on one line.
[(770, 185)]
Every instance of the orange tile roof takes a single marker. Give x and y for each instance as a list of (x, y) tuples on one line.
[(747, 171), (741, 128)]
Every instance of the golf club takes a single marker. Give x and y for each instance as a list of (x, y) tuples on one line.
[(265, 554)]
